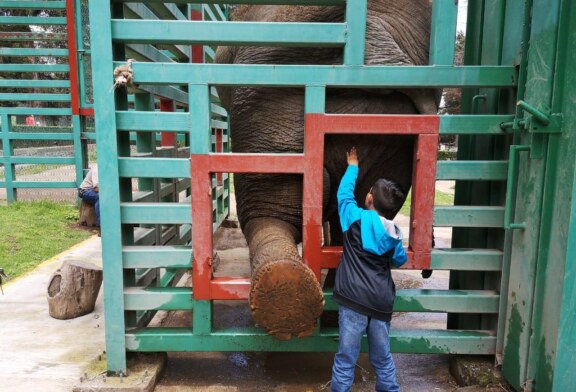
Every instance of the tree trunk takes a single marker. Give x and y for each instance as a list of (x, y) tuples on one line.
[(87, 214), (73, 290)]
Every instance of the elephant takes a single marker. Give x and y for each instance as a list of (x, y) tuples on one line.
[(285, 297)]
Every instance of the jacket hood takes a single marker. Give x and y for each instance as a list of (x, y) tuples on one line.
[(375, 238)]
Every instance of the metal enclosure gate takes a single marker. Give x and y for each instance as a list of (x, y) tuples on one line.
[(485, 257), (44, 72)]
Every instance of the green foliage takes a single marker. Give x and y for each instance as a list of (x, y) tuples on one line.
[(440, 199), (31, 232)]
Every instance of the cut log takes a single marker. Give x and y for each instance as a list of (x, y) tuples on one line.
[(87, 214), (73, 289)]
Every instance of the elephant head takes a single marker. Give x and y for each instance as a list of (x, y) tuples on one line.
[(285, 297)]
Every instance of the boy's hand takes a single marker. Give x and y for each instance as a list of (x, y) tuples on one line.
[(352, 157)]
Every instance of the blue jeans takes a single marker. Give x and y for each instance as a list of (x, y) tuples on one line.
[(92, 197), (352, 327)]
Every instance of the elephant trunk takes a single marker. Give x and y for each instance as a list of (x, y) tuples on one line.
[(285, 297)]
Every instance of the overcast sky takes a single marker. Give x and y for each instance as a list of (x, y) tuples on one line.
[(462, 8)]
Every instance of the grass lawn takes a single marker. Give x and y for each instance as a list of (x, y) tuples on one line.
[(31, 232), (440, 199)]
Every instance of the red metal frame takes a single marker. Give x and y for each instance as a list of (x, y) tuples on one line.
[(167, 139), (310, 164), (72, 57)]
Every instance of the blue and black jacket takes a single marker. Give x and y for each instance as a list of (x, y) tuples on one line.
[(363, 279)]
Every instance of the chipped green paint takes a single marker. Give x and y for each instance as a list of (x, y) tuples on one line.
[(511, 366)]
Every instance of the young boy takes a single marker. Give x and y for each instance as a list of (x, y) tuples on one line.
[(364, 288)]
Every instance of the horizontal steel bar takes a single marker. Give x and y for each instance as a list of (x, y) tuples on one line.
[(217, 109), (24, 83), (39, 136), (168, 92), (42, 160), (35, 97), (473, 124), (154, 167), (451, 301), (141, 52), (37, 111), (153, 121), (252, 339), (28, 36), (472, 170), (229, 33), (24, 52), (218, 124), (34, 68), (32, 20), (161, 213), (458, 259), (156, 298), (44, 184), (254, 163), (325, 75), (157, 256), (263, 2), (377, 124), (469, 216), (33, 4)]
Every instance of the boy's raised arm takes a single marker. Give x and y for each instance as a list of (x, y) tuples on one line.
[(347, 207)]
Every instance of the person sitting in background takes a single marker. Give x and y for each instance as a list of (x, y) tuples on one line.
[(89, 192)]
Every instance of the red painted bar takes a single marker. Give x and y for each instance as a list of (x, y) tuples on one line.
[(378, 124), (230, 288), (423, 189), (87, 112), (311, 165), (219, 148), (312, 194), (254, 163), (72, 58), (426, 127), (197, 50), (167, 139), (202, 223)]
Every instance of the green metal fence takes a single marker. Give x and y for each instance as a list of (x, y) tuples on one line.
[(42, 102), (114, 32), (512, 259)]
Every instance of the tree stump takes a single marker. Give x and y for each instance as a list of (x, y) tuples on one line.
[(73, 289), (87, 214)]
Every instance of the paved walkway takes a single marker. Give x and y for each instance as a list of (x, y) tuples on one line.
[(37, 352)]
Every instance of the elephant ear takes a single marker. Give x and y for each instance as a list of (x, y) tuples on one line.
[(225, 55)]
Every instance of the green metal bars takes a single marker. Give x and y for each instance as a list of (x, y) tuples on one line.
[(42, 125), (163, 72), (486, 260)]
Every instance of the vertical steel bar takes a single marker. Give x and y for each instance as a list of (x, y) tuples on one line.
[(78, 149), (315, 99), (422, 209), (315, 103), (9, 170), (356, 12), (443, 34), (102, 70), (168, 139), (200, 143), (72, 57)]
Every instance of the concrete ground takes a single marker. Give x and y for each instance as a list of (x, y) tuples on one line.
[(41, 353), (38, 352)]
